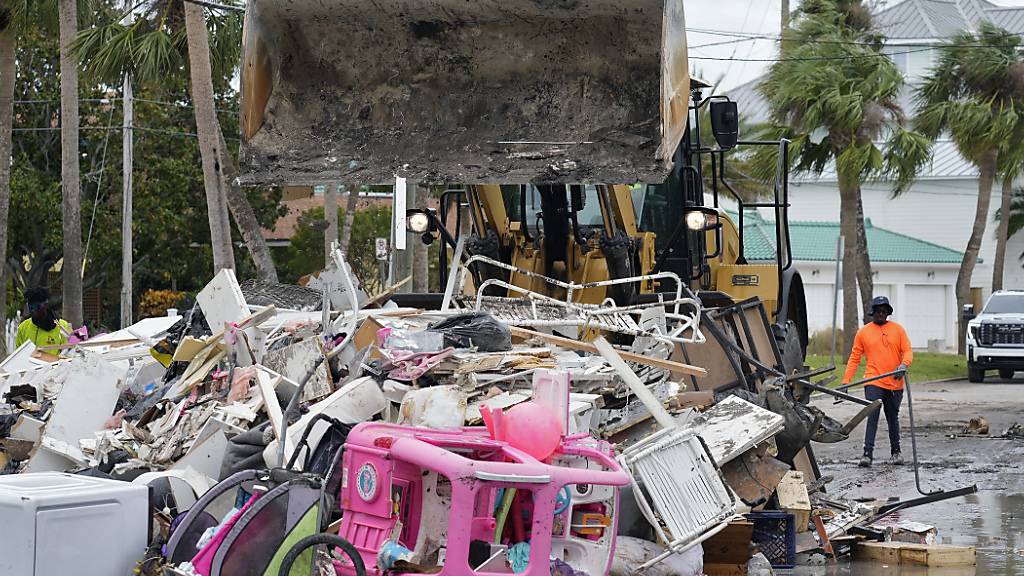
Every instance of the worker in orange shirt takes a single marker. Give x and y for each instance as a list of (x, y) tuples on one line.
[(887, 349)]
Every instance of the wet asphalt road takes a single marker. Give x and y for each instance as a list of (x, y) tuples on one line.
[(992, 520)]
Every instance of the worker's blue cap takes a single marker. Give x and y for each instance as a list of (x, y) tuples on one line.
[(878, 301)]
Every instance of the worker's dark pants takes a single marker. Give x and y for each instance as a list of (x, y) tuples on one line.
[(891, 400)]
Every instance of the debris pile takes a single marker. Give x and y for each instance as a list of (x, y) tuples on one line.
[(271, 419)]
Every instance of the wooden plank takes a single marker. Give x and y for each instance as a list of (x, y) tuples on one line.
[(734, 426), (932, 555), (802, 462), (731, 546), (674, 367), (793, 499), (267, 383), (716, 569), (698, 400), (753, 476), (90, 343)]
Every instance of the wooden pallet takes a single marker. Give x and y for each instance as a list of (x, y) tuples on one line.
[(917, 554)]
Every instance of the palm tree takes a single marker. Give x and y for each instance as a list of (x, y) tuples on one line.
[(351, 205), (71, 270), (1015, 222), (833, 93), (8, 69), (160, 35), (206, 119), (972, 94), (1011, 163), (244, 215)]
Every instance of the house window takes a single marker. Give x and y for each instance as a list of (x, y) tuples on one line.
[(914, 61)]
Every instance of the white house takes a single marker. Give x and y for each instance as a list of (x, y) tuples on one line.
[(939, 208), (919, 277)]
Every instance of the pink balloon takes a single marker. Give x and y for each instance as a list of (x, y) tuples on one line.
[(533, 429)]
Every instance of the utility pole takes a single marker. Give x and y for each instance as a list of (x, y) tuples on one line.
[(331, 215), (401, 254), (785, 16), (126, 214)]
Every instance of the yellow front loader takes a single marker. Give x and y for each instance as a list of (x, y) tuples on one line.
[(570, 126)]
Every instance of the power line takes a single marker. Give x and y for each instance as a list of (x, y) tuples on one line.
[(112, 100), (724, 42), (115, 128), (778, 38), (57, 101), (56, 128), (809, 59), (182, 105), (216, 6)]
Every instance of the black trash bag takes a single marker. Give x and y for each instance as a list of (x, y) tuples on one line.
[(7, 422), (244, 452), (477, 330)]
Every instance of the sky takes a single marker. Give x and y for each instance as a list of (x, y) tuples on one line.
[(748, 16)]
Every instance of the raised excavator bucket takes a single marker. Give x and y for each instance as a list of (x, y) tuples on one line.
[(462, 91)]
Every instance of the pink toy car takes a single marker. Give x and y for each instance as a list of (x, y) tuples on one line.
[(460, 503)]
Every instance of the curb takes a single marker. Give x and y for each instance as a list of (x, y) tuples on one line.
[(944, 380)]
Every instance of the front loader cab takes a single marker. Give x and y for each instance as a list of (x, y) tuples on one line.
[(699, 240)]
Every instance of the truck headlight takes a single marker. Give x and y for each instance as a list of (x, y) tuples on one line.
[(974, 331)]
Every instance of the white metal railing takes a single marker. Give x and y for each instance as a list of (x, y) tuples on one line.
[(607, 316)]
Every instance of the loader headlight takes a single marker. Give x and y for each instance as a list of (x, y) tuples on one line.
[(700, 218), (417, 221)]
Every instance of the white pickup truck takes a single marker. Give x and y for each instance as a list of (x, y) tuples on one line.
[(995, 337)]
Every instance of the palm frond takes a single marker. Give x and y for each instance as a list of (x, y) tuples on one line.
[(906, 153), (1016, 222), (156, 55), (107, 52)]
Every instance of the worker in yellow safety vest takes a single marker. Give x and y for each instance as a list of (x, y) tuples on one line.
[(42, 327)]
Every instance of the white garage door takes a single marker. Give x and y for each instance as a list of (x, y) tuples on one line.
[(819, 304), (925, 314), (819, 307)]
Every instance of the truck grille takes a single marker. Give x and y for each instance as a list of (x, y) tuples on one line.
[(990, 334)]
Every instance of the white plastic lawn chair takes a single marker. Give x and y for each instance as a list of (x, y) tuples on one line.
[(676, 483)]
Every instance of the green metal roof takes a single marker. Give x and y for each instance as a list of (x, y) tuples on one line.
[(816, 241)]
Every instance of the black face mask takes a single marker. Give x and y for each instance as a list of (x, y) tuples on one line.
[(46, 322)]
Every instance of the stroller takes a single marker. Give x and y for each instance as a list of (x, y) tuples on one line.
[(249, 522)]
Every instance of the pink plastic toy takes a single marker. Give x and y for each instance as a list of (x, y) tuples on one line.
[(435, 492), (533, 429)]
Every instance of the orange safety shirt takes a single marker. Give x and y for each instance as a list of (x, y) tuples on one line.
[(886, 347)]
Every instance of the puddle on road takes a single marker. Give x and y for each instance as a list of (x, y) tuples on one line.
[(990, 521)]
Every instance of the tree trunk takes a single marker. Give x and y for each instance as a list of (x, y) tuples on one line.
[(350, 216), (865, 281), (206, 128), (331, 215), (69, 170), (420, 251), (8, 47), (987, 168), (245, 216), (1001, 234), (848, 229)]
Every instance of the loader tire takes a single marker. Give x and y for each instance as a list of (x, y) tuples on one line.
[(318, 540)]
